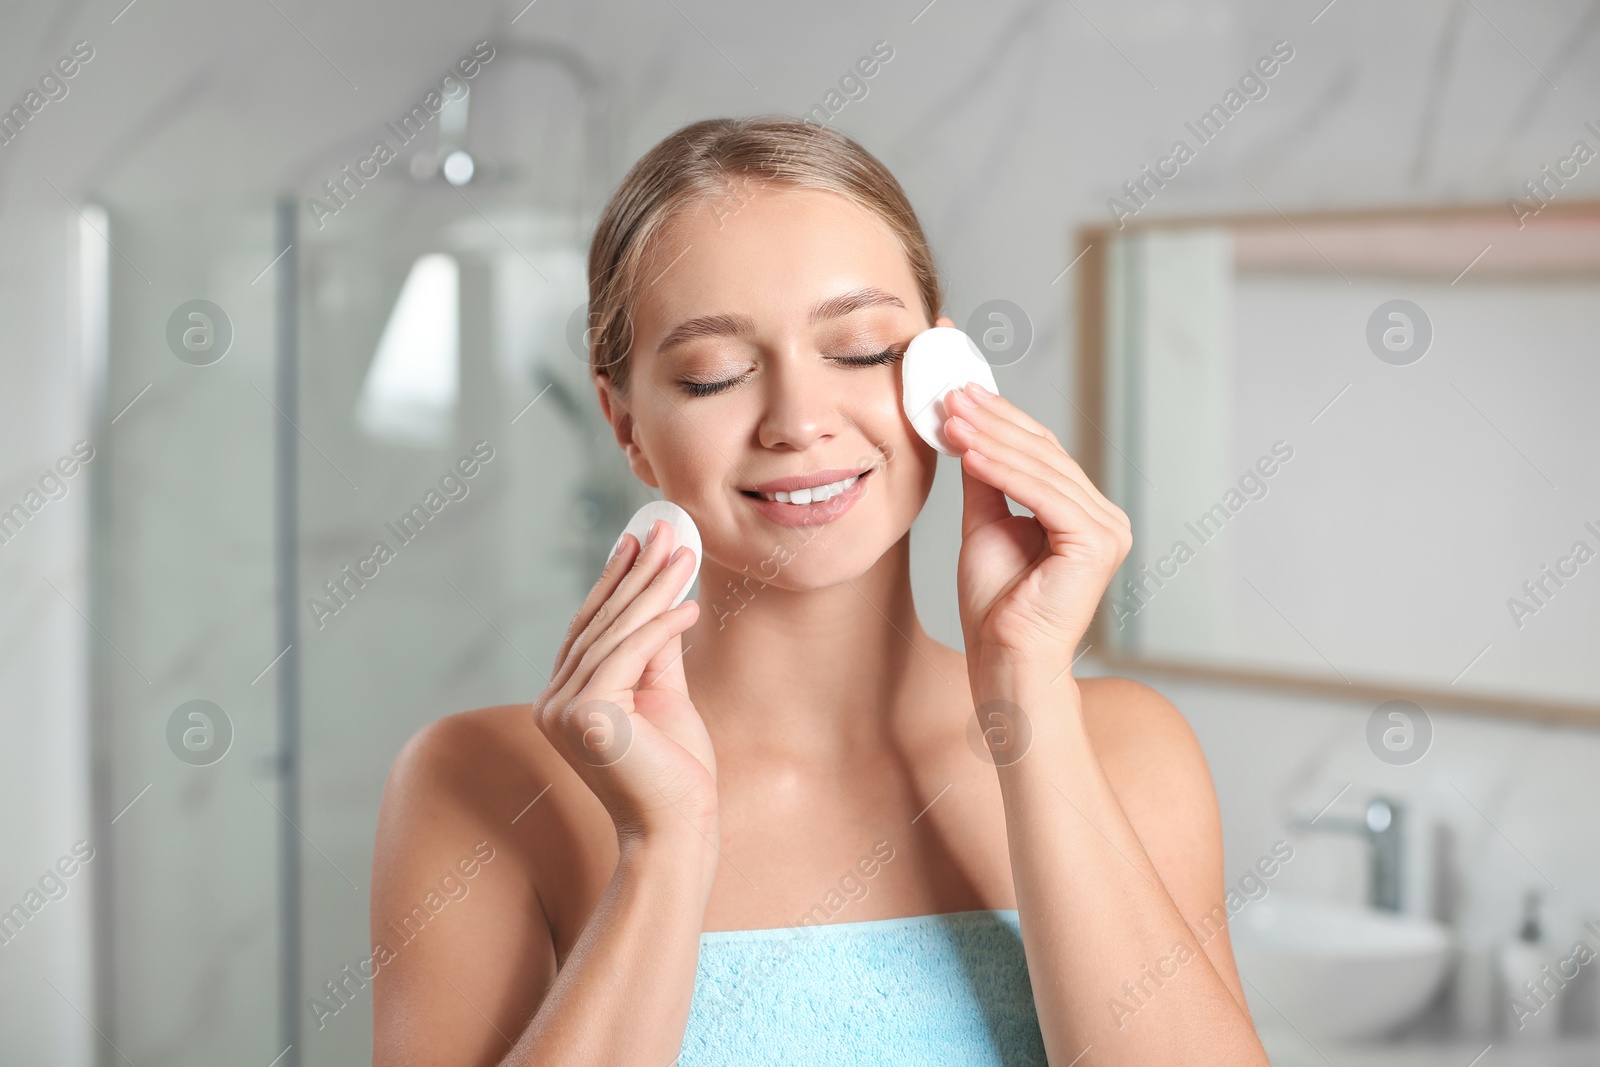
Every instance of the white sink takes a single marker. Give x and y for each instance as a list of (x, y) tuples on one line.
[(1334, 971)]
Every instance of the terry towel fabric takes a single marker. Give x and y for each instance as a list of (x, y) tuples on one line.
[(925, 989)]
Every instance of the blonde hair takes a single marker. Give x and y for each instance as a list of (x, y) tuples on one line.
[(712, 162)]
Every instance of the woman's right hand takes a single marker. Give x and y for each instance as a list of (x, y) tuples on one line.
[(617, 707)]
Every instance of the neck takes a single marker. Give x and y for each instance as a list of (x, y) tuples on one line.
[(811, 672)]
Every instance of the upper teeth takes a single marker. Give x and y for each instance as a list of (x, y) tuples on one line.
[(815, 494)]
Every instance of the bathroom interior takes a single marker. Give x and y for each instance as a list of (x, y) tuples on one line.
[(1336, 357)]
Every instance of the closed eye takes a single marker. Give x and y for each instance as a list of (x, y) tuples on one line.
[(888, 355)]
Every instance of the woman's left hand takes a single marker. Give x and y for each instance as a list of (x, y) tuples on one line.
[(1028, 586)]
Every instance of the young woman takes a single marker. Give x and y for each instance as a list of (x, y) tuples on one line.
[(782, 823)]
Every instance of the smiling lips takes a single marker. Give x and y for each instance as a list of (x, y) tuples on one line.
[(814, 495), (808, 499)]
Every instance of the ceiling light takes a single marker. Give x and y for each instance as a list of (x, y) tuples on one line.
[(458, 167)]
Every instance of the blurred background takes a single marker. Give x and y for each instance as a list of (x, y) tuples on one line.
[(285, 282)]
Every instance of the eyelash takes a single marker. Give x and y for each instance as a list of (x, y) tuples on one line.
[(888, 355)]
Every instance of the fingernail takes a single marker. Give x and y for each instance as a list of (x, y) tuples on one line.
[(616, 549), (979, 390), (654, 526)]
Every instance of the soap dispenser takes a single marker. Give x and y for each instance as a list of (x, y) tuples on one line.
[(1527, 998)]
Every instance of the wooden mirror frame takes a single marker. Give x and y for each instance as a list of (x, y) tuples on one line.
[(1090, 259)]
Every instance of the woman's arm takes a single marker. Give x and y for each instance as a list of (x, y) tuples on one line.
[(1103, 886), (482, 988), (1101, 903), (474, 982)]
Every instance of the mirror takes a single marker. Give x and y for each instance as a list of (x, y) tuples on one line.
[(1358, 451)]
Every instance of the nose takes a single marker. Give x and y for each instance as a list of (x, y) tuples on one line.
[(801, 403)]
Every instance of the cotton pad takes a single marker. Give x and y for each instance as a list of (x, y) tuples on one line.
[(939, 360), (684, 533)]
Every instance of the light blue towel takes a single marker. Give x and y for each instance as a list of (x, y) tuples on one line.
[(926, 989)]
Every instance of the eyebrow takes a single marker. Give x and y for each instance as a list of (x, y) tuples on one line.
[(739, 325)]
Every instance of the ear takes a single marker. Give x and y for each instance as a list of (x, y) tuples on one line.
[(615, 408), (944, 320)]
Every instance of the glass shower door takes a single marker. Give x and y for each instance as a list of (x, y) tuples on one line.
[(351, 476), (457, 493), (185, 684)]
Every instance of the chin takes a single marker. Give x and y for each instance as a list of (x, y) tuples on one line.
[(808, 558)]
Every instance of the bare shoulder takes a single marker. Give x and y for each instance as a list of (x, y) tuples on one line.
[(453, 787), (456, 915), (458, 771), (1158, 771), (1146, 746), (464, 758), (490, 774)]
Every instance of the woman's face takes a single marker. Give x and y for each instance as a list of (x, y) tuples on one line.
[(759, 337)]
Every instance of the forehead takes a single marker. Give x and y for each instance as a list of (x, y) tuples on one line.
[(770, 251)]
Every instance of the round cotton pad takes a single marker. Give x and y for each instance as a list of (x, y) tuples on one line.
[(939, 360), (684, 532)]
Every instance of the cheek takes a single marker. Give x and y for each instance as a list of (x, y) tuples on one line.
[(903, 482), (912, 467), (693, 459), (912, 461), (695, 467)]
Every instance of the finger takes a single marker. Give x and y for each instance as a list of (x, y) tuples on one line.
[(1053, 507), (1011, 424), (651, 560), (665, 669), (611, 576), (647, 564), (981, 503), (651, 602), (1003, 423), (625, 665), (1026, 459), (1009, 412), (640, 647)]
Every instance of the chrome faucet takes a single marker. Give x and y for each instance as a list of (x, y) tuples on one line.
[(1380, 827)]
